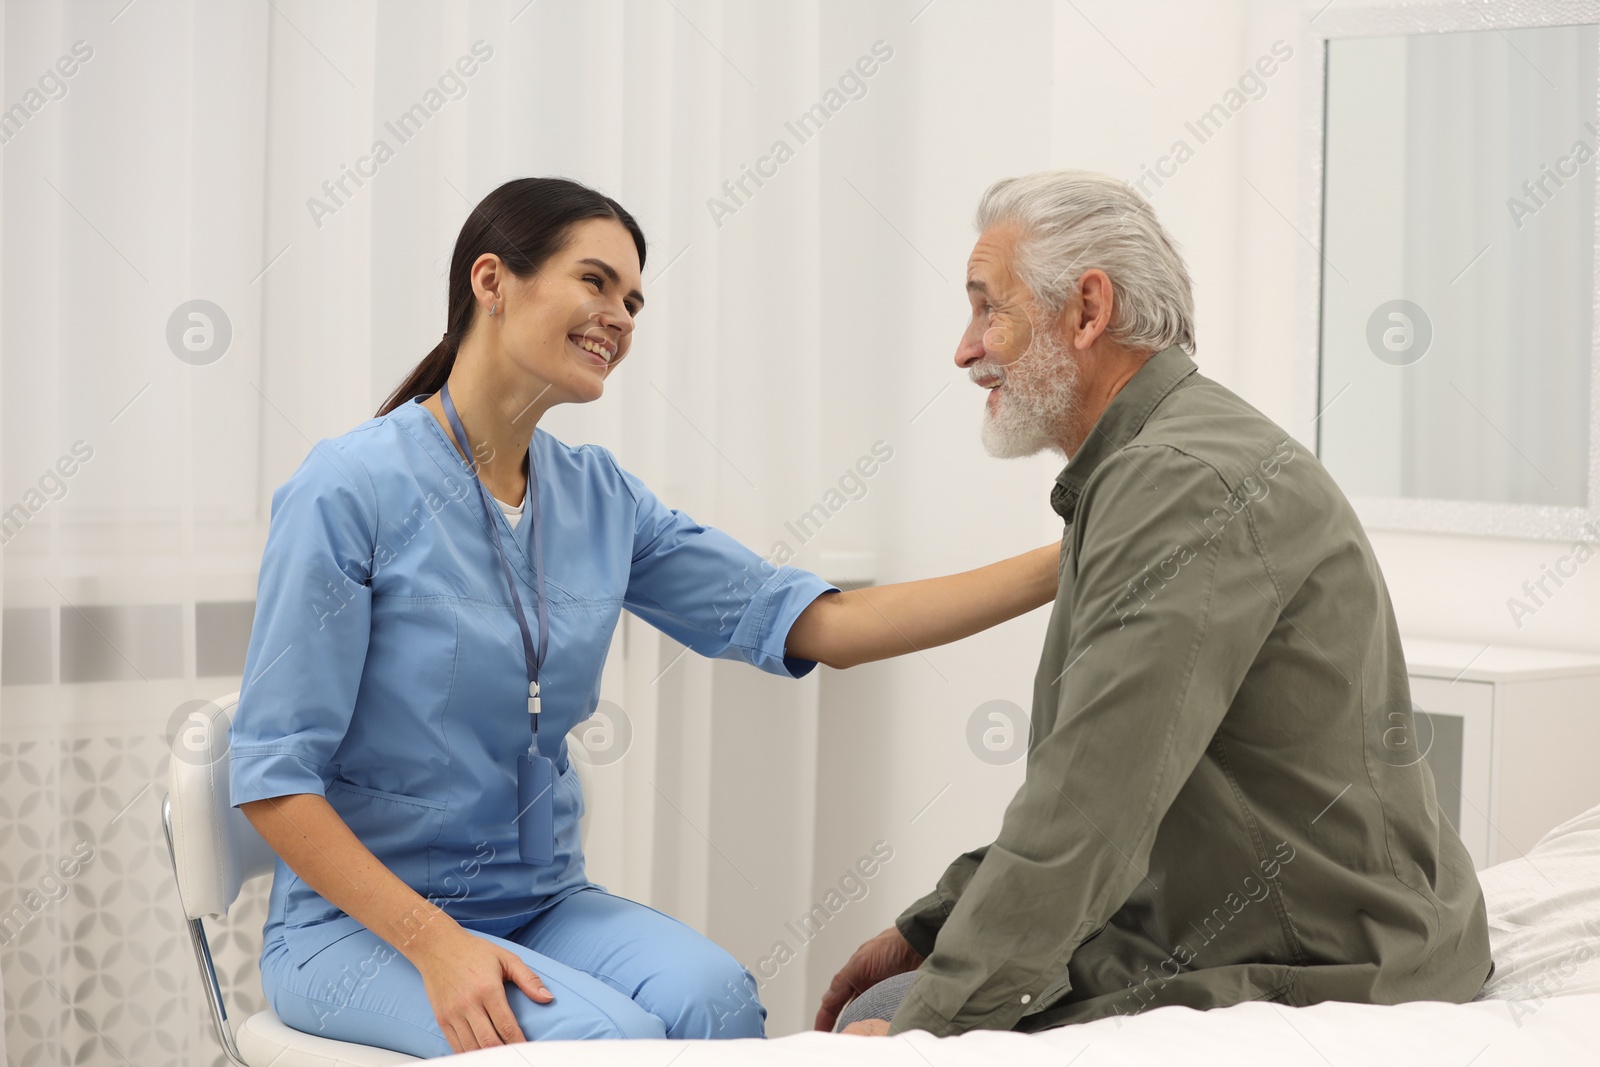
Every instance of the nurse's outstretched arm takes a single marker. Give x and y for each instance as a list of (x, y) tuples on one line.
[(463, 975), (862, 625)]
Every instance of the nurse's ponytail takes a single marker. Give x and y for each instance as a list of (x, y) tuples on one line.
[(524, 222)]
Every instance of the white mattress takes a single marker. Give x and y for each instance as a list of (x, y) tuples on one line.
[(1543, 1007), (1564, 1030)]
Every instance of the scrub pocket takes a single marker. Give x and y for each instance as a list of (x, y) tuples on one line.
[(569, 809)]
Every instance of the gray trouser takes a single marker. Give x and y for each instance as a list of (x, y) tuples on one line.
[(879, 1002)]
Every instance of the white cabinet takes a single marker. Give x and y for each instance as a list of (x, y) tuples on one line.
[(1512, 736)]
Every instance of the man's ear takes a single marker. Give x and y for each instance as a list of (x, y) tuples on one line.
[(1089, 313)]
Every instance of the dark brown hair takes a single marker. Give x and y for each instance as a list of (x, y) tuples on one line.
[(524, 222)]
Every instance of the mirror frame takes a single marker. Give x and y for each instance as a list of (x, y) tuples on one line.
[(1534, 521)]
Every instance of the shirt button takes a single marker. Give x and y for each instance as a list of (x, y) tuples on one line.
[(1026, 998)]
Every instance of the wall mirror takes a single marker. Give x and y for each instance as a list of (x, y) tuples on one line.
[(1458, 144)]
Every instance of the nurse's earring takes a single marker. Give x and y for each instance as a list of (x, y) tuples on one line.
[(493, 309)]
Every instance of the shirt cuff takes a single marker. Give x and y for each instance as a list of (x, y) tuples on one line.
[(995, 1001), (764, 630), (920, 923), (260, 774)]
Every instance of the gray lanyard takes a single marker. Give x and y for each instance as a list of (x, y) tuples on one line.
[(533, 660)]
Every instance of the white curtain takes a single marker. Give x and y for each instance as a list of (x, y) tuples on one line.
[(204, 152)]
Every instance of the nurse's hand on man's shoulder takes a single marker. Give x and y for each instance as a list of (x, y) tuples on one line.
[(882, 957), (465, 978)]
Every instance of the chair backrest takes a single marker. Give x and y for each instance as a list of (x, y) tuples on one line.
[(215, 849)]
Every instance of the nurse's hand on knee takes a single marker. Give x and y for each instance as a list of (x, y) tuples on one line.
[(465, 978)]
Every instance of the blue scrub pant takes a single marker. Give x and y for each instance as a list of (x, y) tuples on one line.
[(617, 968)]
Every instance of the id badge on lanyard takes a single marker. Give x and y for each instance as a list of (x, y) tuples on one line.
[(535, 816), (536, 819)]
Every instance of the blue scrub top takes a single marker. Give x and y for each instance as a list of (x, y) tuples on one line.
[(385, 668)]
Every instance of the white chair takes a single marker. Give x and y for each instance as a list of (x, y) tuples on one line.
[(215, 851)]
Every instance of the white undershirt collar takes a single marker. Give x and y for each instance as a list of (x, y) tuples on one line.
[(513, 514)]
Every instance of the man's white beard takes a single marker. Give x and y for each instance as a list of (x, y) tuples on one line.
[(1038, 398)]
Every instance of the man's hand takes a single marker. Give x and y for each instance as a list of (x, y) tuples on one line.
[(869, 1028), (884, 956)]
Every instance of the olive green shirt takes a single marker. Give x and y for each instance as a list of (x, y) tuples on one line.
[(1221, 802)]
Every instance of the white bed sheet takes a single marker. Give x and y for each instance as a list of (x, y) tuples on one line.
[(1559, 1030)]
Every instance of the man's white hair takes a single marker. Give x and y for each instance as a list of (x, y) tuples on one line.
[(1076, 220)]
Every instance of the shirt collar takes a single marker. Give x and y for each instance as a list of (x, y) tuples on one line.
[(1122, 420)]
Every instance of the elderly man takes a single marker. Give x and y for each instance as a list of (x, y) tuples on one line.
[(1221, 801)]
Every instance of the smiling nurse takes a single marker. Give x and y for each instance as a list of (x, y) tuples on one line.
[(430, 894)]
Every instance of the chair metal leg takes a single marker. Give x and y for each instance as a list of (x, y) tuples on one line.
[(202, 955)]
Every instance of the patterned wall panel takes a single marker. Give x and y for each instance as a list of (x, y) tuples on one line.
[(97, 962)]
